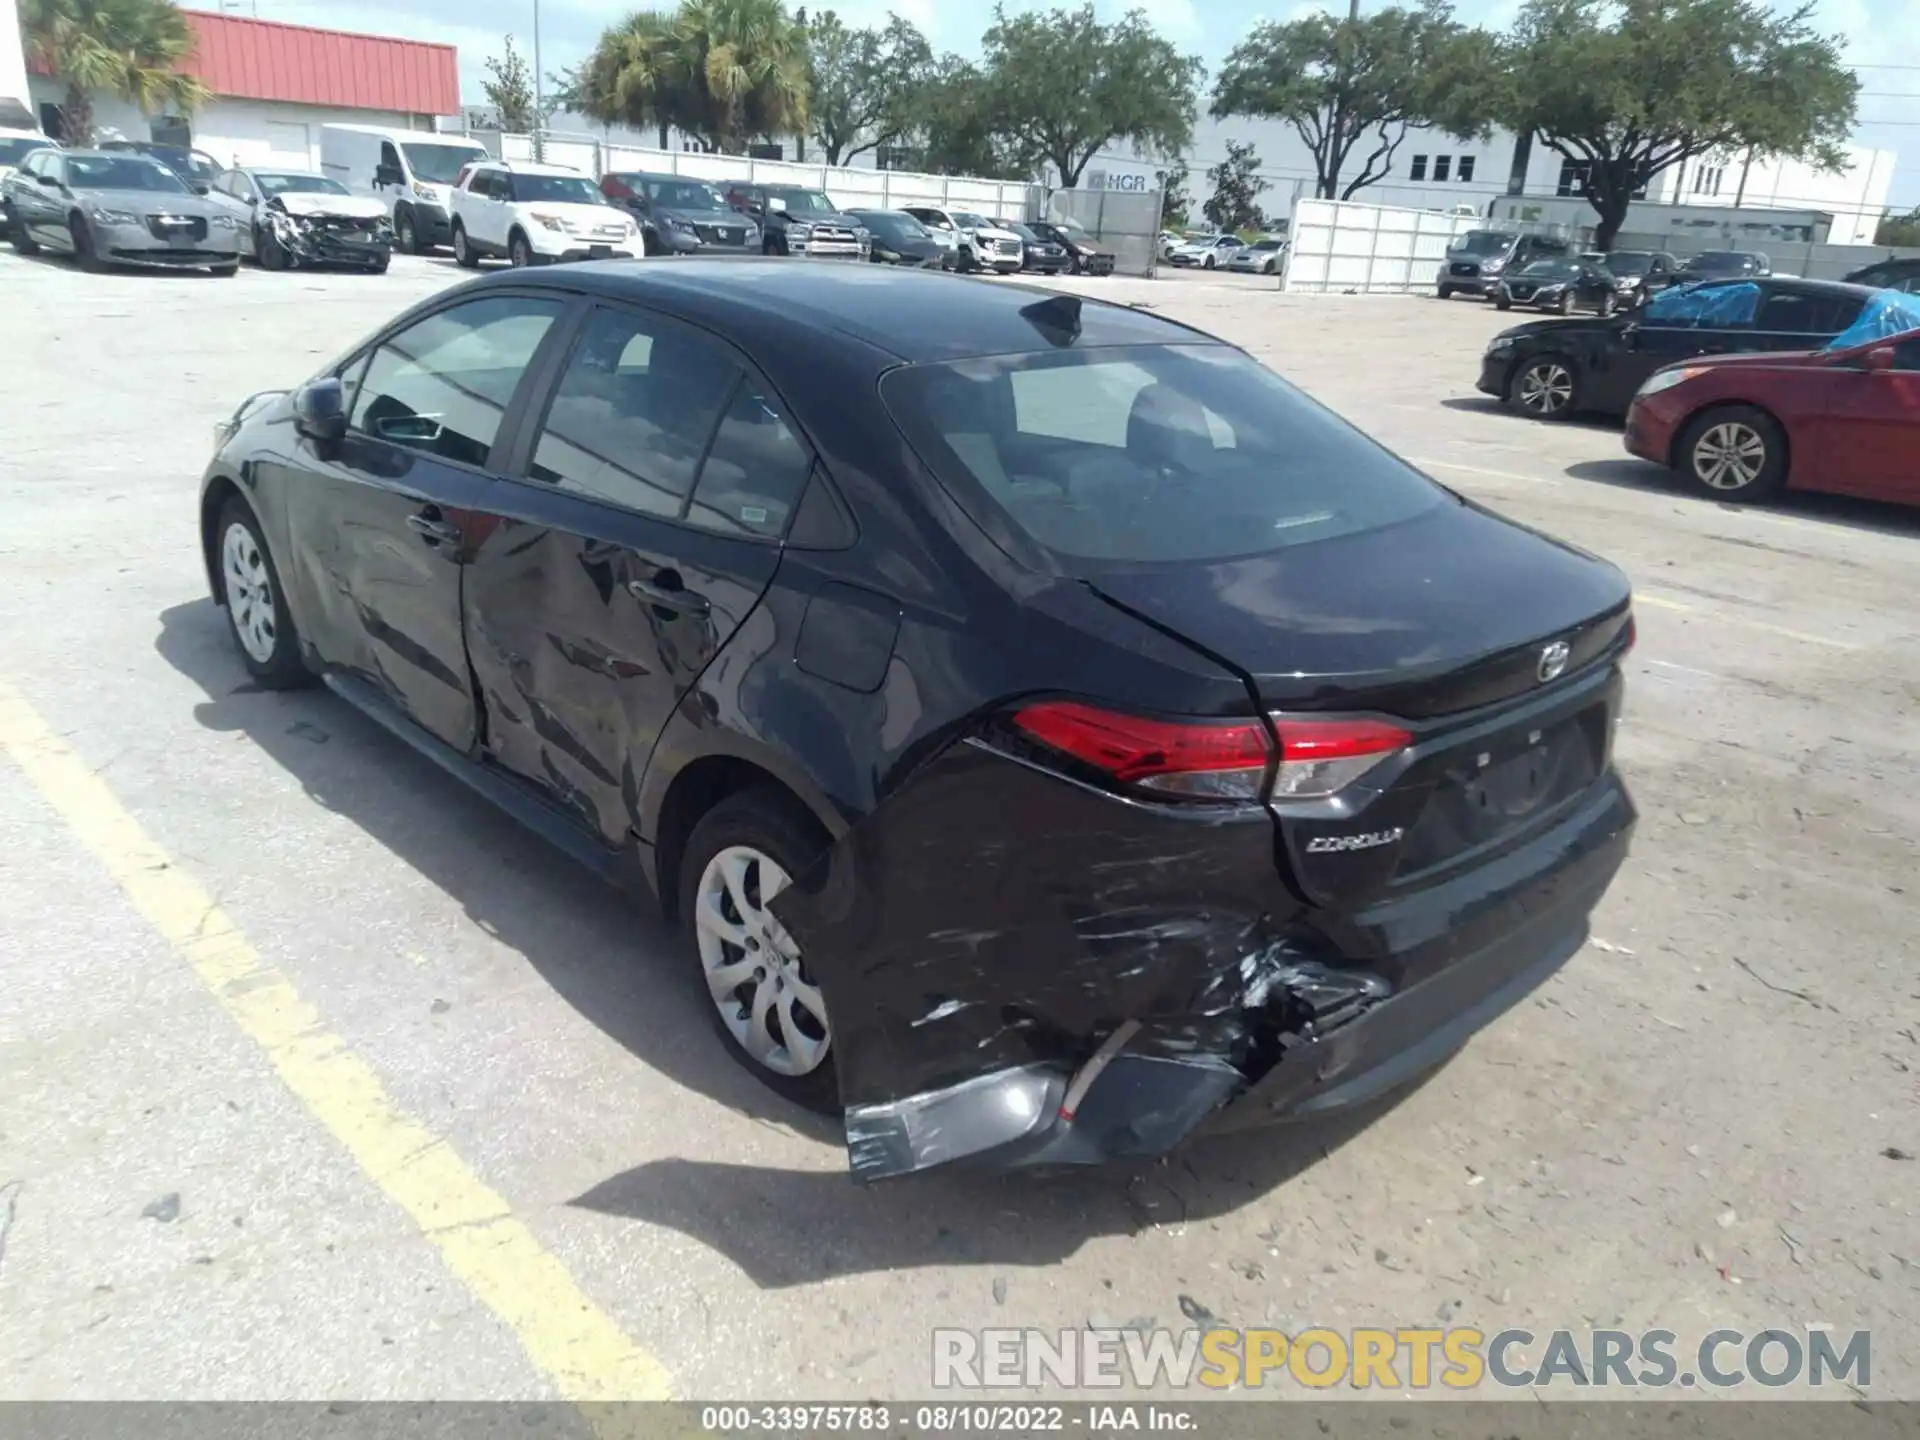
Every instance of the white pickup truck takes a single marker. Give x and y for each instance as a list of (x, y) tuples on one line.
[(537, 214)]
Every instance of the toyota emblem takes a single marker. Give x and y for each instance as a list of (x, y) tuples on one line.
[(1553, 660)]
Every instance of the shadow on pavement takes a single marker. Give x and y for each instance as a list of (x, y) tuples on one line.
[(614, 961), (607, 954), (1842, 511)]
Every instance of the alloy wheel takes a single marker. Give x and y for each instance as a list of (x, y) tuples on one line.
[(1546, 388), (1729, 456), (767, 999), (249, 588)]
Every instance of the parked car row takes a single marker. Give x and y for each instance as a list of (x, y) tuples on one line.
[(1744, 385)]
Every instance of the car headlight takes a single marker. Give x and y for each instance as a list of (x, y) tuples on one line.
[(677, 225), (1499, 343), (116, 217), (1624, 282), (221, 222), (862, 234), (1492, 267), (798, 231), (1667, 379), (1546, 290), (553, 222)]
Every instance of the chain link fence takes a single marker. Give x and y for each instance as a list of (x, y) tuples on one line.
[(1126, 222)]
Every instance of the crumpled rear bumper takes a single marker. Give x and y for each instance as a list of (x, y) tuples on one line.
[(1023, 971)]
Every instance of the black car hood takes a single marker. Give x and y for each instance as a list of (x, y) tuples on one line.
[(701, 217), (1538, 329), (906, 247), (1419, 617)]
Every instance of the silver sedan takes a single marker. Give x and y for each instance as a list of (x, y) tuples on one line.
[(114, 208)]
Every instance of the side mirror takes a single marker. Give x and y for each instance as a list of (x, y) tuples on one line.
[(50, 182), (320, 410), (386, 175), (1880, 358), (200, 187)]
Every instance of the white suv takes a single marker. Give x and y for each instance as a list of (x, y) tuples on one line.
[(979, 244), (536, 214)]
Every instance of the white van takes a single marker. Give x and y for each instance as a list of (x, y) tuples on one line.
[(413, 171)]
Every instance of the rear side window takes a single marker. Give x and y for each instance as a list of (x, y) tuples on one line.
[(1787, 312), (443, 384), (754, 472), (1136, 454)]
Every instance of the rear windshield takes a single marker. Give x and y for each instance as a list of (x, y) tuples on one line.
[(1627, 262), (1149, 453)]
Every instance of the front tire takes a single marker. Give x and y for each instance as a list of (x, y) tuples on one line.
[(1503, 303), (23, 243), (1565, 307), (1735, 453), (406, 231), (748, 972), (1607, 303), (226, 271), (257, 614), (1545, 387), (84, 254), (271, 253), (464, 255), (519, 252)]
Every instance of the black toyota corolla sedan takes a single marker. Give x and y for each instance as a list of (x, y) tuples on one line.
[(1052, 732)]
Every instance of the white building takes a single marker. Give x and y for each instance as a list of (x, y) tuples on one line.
[(1431, 170), (15, 109), (274, 85)]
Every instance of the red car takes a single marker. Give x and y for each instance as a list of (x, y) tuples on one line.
[(1744, 427)]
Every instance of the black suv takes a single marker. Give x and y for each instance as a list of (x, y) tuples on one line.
[(679, 215), (1890, 275), (1475, 262), (795, 220)]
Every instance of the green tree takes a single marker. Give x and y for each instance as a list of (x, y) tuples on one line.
[(509, 89), (862, 83), (952, 117), (1359, 84), (1062, 86), (1898, 229), (1174, 200), (747, 61), (1235, 202), (129, 48), (633, 76), (1628, 88)]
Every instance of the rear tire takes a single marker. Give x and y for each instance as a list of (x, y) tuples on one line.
[(257, 614), (1733, 452), (226, 271), (1547, 387), (749, 837), (23, 243), (464, 255)]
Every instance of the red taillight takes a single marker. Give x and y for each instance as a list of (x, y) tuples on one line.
[(1628, 634), (1202, 759), (1321, 757)]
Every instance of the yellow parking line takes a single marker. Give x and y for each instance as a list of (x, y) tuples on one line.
[(566, 1336), (1640, 597)]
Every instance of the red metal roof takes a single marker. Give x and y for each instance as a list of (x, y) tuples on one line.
[(266, 60)]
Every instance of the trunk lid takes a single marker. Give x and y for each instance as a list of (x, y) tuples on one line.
[(1488, 643)]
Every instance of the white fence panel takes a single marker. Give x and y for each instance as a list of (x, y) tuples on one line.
[(853, 188), (1344, 246)]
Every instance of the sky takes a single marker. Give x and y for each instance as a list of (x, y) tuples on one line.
[(1881, 37)]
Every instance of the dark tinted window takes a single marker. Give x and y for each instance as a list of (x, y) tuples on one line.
[(555, 189), (14, 150), (1906, 355), (1148, 453), (1790, 312), (755, 471), (443, 384), (633, 412)]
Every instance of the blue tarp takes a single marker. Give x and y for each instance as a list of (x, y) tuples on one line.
[(1705, 307), (1886, 313)]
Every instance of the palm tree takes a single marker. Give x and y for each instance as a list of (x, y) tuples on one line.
[(634, 76), (749, 61), (131, 48)]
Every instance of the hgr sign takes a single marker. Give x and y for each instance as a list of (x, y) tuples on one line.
[(1101, 180)]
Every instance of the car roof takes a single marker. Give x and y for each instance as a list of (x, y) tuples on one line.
[(912, 315), (527, 167)]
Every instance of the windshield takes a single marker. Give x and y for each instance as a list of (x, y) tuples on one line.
[(1720, 260), (1627, 262), (122, 172), (1551, 270), (439, 164), (187, 164), (890, 226), (557, 189), (1483, 242), (1147, 453), (13, 151), (1021, 230), (804, 202), (285, 184), (682, 194), (1264, 245), (970, 220)]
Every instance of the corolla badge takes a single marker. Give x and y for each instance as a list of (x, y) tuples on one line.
[(1553, 661), (1338, 844)]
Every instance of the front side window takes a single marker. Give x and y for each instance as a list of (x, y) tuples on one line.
[(633, 413), (1787, 312), (1147, 454), (443, 384)]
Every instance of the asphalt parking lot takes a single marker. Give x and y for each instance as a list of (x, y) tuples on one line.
[(322, 1079)]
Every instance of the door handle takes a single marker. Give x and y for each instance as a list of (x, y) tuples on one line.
[(434, 530), (670, 597)]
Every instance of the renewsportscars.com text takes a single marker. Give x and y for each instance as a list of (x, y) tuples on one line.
[(1457, 1358)]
